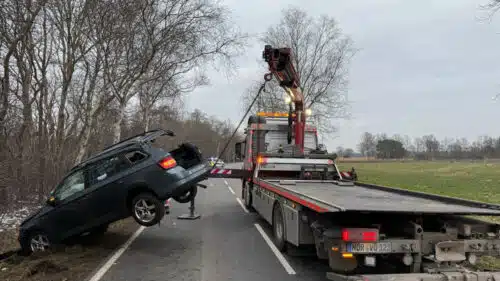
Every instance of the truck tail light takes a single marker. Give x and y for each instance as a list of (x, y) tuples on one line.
[(261, 160), (360, 235), (167, 162)]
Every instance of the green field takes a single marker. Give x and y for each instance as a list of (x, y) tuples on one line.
[(476, 181)]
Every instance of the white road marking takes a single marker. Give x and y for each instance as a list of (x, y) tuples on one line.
[(100, 273), (242, 206), (277, 253), (229, 187)]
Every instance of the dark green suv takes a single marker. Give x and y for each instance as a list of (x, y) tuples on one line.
[(130, 178)]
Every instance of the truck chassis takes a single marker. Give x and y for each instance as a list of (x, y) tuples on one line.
[(363, 230)]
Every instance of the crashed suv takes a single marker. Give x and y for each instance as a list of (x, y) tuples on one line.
[(130, 178)]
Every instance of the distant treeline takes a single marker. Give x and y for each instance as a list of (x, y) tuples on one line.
[(428, 147)]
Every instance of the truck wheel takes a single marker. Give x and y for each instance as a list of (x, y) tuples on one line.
[(279, 228), (243, 183), (248, 196), (147, 210)]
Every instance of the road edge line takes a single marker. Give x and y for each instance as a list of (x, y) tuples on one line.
[(277, 253), (101, 271), (242, 206), (231, 190)]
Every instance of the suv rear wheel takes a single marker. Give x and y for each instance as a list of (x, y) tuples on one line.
[(147, 210)]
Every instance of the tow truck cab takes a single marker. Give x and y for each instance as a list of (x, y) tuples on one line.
[(269, 132)]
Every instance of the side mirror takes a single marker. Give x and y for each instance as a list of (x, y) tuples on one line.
[(51, 201)]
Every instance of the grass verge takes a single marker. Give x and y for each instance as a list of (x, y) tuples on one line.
[(470, 180), (65, 264)]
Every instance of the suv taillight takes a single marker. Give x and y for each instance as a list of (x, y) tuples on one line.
[(167, 162), (360, 234)]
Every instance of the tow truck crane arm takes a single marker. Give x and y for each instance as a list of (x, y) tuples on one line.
[(281, 67)]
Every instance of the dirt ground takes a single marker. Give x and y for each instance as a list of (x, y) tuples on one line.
[(67, 263)]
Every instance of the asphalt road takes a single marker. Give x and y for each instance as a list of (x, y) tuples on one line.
[(225, 244)]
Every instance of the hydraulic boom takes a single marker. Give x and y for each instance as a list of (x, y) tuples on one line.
[(281, 67)]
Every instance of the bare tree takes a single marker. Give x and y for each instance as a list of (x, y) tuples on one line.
[(179, 33), (367, 145), (16, 22), (492, 7), (70, 68), (321, 57)]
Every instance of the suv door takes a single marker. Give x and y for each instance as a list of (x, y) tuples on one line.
[(71, 213), (106, 188)]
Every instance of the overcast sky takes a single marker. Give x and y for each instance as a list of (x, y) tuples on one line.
[(424, 67)]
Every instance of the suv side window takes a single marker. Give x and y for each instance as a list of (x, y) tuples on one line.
[(106, 168), (72, 184)]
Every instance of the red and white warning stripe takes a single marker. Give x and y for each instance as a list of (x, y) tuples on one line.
[(345, 174), (221, 171)]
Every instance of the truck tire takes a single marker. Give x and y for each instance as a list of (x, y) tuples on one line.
[(147, 209), (247, 195), (279, 228)]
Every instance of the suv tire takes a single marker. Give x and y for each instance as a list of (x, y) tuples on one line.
[(38, 241), (188, 196), (147, 209)]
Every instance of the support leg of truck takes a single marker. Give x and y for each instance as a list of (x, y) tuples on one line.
[(192, 213)]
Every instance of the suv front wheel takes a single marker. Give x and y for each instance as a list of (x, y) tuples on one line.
[(147, 210)]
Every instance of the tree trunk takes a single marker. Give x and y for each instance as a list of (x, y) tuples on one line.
[(146, 118), (117, 130)]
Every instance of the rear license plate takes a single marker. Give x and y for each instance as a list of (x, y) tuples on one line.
[(383, 247)]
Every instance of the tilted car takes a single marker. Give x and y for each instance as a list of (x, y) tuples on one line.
[(130, 178)]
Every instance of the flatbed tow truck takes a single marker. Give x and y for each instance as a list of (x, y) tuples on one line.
[(364, 231)]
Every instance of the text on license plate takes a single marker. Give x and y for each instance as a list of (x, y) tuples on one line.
[(369, 247)]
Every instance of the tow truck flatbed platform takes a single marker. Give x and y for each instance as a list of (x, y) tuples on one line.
[(338, 196)]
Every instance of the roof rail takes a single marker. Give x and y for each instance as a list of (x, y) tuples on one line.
[(142, 137)]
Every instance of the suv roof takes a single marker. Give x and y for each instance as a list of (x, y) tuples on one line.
[(129, 142)]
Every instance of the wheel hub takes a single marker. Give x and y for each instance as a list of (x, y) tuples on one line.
[(39, 243), (145, 210)]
